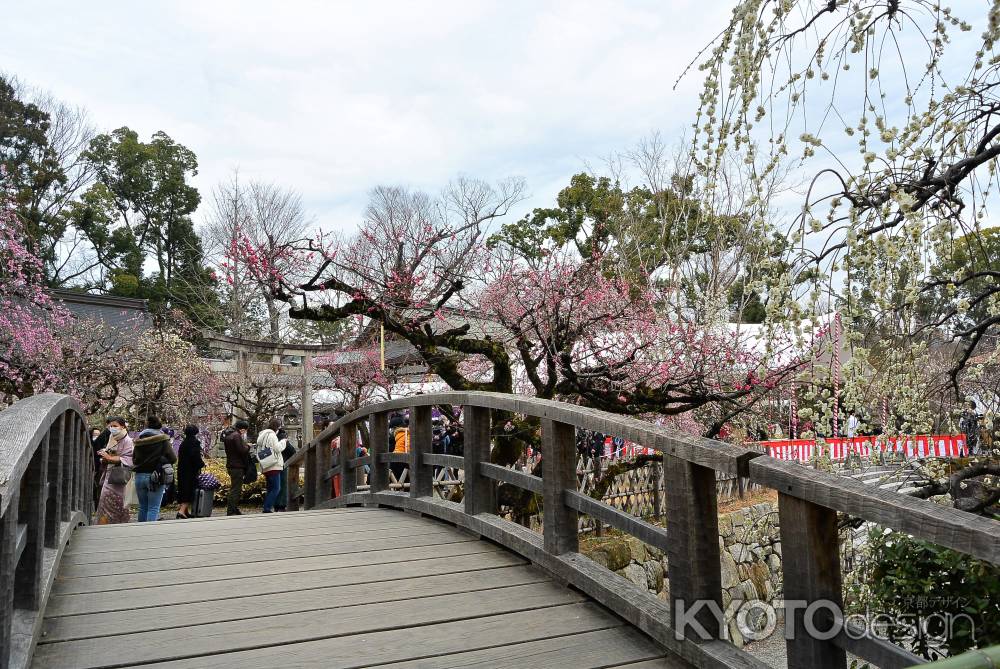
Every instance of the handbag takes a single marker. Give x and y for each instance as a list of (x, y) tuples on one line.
[(162, 475), (119, 474), (249, 474), (266, 457)]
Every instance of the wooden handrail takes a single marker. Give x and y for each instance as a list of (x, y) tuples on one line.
[(46, 479), (808, 505)]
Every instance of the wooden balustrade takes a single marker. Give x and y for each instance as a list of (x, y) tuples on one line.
[(808, 505), (46, 474)]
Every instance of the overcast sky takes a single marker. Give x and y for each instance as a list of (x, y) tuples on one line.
[(334, 98)]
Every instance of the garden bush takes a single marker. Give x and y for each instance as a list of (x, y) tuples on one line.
[(910, 577), (252, 494)]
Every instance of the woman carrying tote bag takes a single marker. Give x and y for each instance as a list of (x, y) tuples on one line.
[(270, 461), (117, 458)]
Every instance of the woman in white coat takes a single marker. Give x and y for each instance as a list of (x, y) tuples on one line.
[(271, 462)]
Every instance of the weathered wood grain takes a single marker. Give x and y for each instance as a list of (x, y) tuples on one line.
[(53, 498), (394, 457), (32, 503), (207, 527), (810, 570), (480, 492), (511, 476), (426, 641), (41, 501), (578, 651), (421, 436), (89, 603), (228, 637), (253, 552), (110, 623), (965, 532), (378, 429), (150, 550), (443, 460), (635, 605), (8, 564), (559, 475), (217, 574), (636, 527), (348, 453), (693, 549)]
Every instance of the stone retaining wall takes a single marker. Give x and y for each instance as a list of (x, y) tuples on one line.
[(750, 560)]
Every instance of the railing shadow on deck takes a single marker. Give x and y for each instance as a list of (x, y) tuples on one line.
[(46, 479), (808, 503)]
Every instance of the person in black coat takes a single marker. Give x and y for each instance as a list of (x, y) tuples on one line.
[(189, 465)]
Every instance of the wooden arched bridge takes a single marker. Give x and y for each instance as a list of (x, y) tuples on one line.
[(406, 579)]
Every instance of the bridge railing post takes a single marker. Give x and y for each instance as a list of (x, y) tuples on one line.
[(693, 556), (57, 452), (480, 492), (560, 522), (810, 564), (421, 436), (378, 429), (8, 565), (311, 479), (324, 460), (31, 517), (348, 451), (65, 490), (292, 489)]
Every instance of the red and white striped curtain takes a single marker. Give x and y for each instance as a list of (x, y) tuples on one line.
[(912, 446)]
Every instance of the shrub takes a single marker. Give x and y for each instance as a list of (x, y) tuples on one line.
[(910, 577), (252, 494)]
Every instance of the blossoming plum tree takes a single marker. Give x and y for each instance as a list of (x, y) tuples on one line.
[(30, 352), (499, 316)]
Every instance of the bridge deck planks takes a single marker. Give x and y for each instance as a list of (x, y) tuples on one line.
[(355, 588)]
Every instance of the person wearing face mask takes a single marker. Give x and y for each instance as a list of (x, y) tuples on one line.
[(111, 507), (98, 442)]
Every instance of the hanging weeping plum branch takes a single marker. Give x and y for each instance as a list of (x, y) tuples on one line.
[(889, 111)]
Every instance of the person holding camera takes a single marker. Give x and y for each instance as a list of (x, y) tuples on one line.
[(153, 463)]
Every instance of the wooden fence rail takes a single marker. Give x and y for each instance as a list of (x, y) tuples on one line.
[(809, 501), (46, 479)]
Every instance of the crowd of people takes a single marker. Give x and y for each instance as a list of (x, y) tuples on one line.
[(448, 438), (148, 463)]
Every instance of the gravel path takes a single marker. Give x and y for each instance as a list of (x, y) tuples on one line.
[(772, 651)]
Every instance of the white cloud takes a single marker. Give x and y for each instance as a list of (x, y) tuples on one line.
[(333, 98)]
